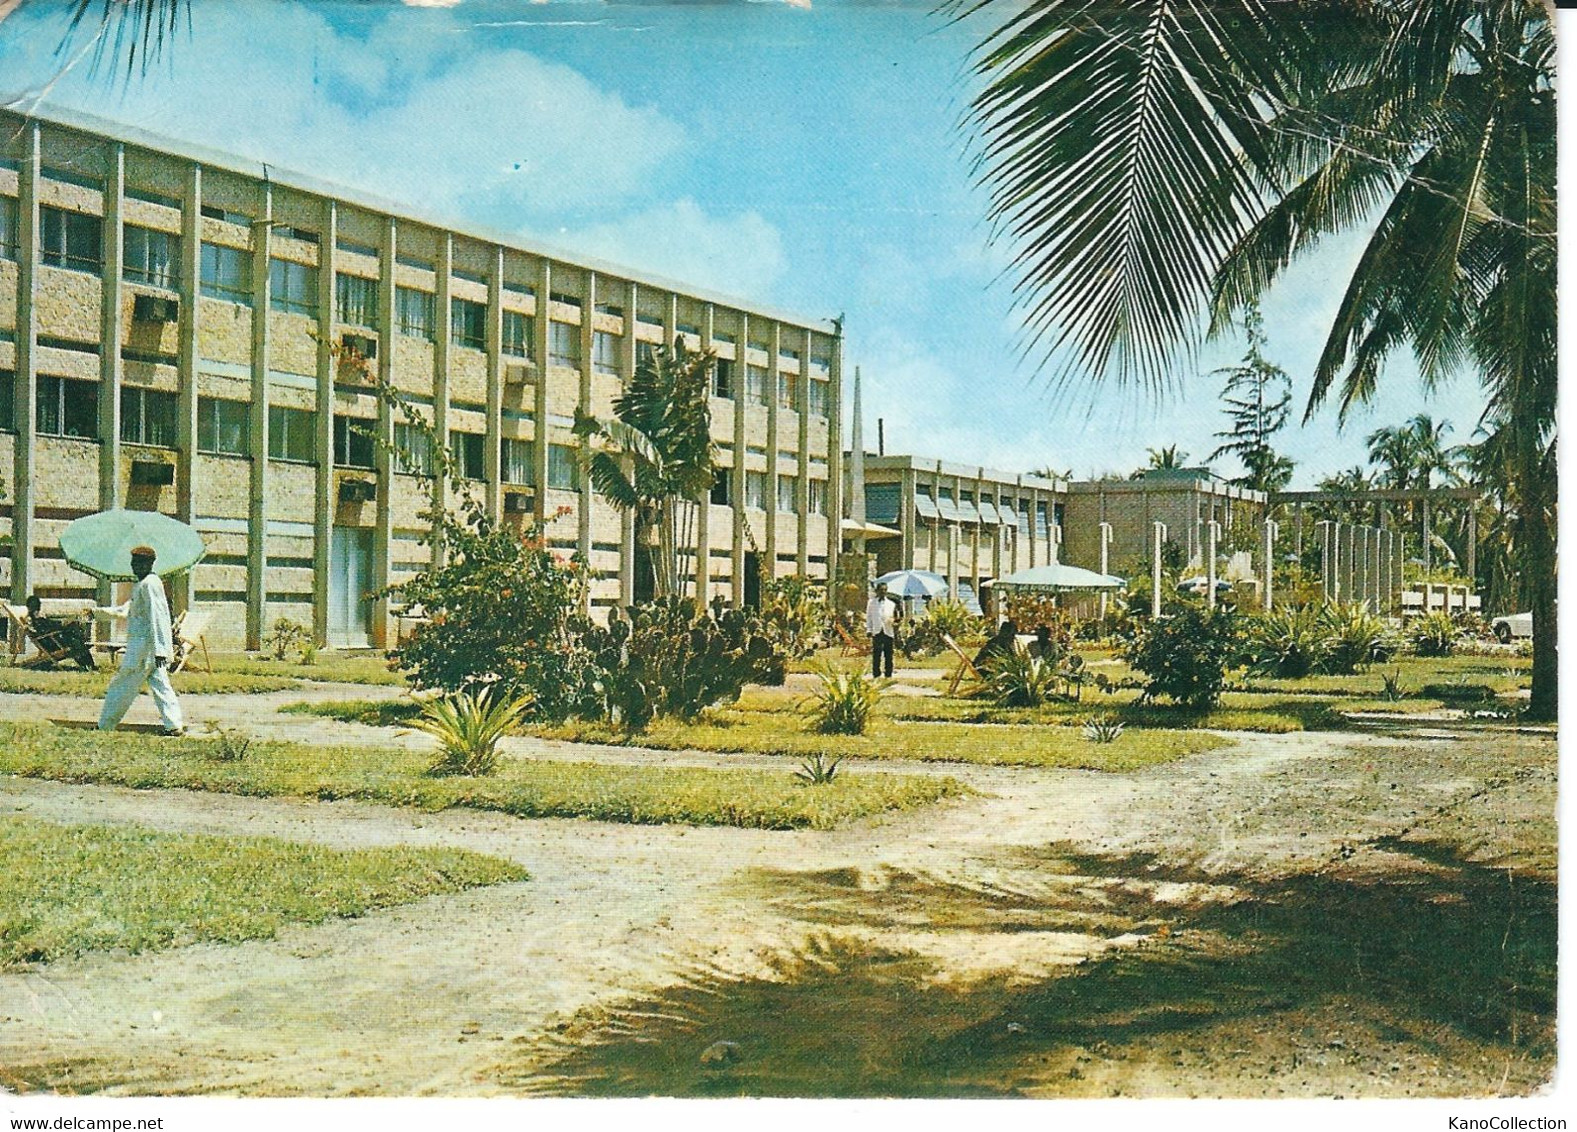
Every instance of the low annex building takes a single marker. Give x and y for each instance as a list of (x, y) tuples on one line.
[(174, 331)]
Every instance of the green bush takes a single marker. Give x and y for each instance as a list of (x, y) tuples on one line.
[(794, 615), (845, 702), (1354, 639), (1185, 656), (288, 637), (1433, 634), (1288, 643), (468, 727), (1460, 692), (1020, 680)]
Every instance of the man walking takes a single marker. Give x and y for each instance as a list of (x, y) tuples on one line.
[(880, 617), (150, 645)]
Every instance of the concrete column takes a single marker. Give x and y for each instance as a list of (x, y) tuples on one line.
[(737, 488), (539, 410), (257, 457), (703, 502), (491, 461), (775, 350), (443, 346), (1361, 589), (25, 403), (670, 337), (1297, 532), (1272, 529), (1327, 563), (802, 478), (952, 560), (323, 427), (906, 519), (110, 369), (383, 532), (626, 518), (1429, 549), (1212, 536), (1472, 542), (1034, 524), (835, 457), (1157, 542), (1106, 546), (182, 589), (588, 319)]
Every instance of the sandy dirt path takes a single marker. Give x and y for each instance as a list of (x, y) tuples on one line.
[(427, 997)]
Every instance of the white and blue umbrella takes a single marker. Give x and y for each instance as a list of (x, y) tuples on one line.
[(913, 583)]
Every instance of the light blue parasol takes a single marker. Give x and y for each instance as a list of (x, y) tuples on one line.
[(101, 544), (913, 583)]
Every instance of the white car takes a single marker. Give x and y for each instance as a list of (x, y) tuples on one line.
[(1513, 627)]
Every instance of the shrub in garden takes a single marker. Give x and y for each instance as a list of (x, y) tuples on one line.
[(1458, 692), (288, 637), (845, 703), (468, 726), (954, 619), (1020, 680), (818, 770), (1185, 656), (1288, 643), (1103, 729), (794, 615), (1354, 638), (1433, 634)]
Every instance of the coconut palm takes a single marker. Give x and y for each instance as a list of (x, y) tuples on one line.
[(1158, 161), (1162, 459), (654, 457)]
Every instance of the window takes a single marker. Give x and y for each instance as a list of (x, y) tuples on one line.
[(563, 344), (563, 467), (289, 434), (152, 257), (414, 312), (756, 384), (818, 497), (148, 416), (723, 378), (67, 408), (1042, 528), (8, 400), (468, 323), (223, 427), (292, 287), (645, 354), (227, 273), (786, 501), (723, 487), (356, 300), (756, 490), (413, 449), (305, 235), (353, 445), (605, 352), (788, 391), (819, 397), (518, 333), (515, 463), (354, 248), (72, 239), (8, 228), (466, 450), (214, 212)]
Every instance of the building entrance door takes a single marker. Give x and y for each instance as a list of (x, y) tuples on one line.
[(350, 579)]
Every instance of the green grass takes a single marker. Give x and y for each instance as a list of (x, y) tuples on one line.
[(67, 890), (328, 666), (523, 788), (373, 713), (72, 682)]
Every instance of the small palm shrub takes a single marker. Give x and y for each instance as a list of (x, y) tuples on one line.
[(1354, 638), (818, 770), (231, 745), (1433, 634), (845, 703), (1185, 656), (1103, 729), (954, 619), (468, 726), (1288, 644), (1020, 680), (1393, 690)]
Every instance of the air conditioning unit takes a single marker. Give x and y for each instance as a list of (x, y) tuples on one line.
[(519, 373), (155, 308), (518, 503), (363, 345), (152, 473), (357, 491)]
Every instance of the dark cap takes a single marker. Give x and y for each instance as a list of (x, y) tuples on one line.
[(144, 552)]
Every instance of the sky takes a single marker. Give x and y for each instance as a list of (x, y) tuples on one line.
[(807, 154)]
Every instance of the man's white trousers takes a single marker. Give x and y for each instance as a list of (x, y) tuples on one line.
[(135, 672)]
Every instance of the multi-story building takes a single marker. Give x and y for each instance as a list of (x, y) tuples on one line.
[(175, 328), (967, 523), (1185, 499)]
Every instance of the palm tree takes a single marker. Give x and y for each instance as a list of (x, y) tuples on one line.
[(1169, 458), (656, 456), (1159, 164)]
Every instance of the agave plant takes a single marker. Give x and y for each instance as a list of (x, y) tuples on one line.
[(818, 770), (468, 727), (1288, 643), (1103, 729), (1433, 634), (1393, 690), (1354, 638), (845, 702), (1021, 680)]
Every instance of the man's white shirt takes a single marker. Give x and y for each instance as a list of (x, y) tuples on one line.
[(880, 615)]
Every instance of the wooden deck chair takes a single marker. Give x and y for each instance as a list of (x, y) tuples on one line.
[(965, 664), (50, 646), (852, 645), (16, 630), (188, 633)]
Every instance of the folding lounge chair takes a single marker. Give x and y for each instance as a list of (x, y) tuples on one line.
[(965, 665), (16, 630), (188, 633), (852, 645), (52, 645)]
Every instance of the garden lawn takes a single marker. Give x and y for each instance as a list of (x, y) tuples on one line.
[(74, 682), (67, 890), (338, 668), (769, 733), (523, 788)]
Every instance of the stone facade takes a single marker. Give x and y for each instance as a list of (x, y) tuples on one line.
[(229, 293), (1185, 500)]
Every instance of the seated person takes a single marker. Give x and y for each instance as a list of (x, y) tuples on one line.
[(1042, 646), (998, 647), (58, 633)]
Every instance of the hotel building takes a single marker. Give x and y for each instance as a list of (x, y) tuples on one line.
[(182, 331)]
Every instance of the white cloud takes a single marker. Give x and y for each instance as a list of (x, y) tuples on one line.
[(737, 255)]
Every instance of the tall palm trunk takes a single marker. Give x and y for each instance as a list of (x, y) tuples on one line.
[(1539, 563)]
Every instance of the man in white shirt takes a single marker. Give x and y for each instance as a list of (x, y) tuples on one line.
[(150, 645), (881, 617)]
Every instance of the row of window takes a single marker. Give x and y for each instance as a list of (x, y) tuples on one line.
[(756, 492)]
